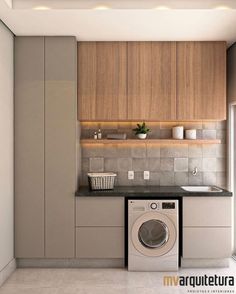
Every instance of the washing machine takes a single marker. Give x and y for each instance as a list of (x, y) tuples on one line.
[(153, 240)]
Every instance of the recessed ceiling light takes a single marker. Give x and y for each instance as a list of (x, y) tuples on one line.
[(222, 7), (161, 7), (41, 8), (102, 7)]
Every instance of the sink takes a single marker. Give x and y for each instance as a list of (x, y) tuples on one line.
[(210, 189)]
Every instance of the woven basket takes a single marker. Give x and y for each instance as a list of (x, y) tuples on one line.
[(101, 181)]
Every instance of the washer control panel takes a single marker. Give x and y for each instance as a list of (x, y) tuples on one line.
[(161, 205)]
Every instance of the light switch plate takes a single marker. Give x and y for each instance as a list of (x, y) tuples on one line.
[(130, 175), (146, 175)]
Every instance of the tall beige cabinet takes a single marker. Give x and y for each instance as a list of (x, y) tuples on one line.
[(45, 146)]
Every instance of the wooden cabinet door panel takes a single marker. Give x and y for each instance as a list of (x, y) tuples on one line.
[(139, 79), (111, 92), (163, 102), (87, 80), (201, 80), (102, 80), (151, 80)]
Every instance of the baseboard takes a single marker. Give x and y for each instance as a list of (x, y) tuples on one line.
[(204, 263), (69, 263), (6, 272)]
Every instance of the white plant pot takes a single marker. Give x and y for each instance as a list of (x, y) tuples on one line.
[(142, 136)]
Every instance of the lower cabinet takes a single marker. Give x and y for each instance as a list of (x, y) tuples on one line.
[(207, 242), (207, 227), (100, 242), (100, 227)]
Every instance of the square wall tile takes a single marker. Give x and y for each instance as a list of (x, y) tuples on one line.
[(167, 179), (123, 151), (110, 165), (124, 164), (209, 164), (92, 151), (167, 164), (208, 134), (209, 178), (154, 179), (195, 150), (209, 150), (174, 151), (181, 178), (153, 164), (96, 164), (181, 165), (110, 150), (138, 151), (139, 164), (153, 151)]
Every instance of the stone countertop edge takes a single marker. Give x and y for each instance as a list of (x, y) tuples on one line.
[(151, 191)]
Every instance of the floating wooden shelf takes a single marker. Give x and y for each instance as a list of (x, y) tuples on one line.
[(150, 141)]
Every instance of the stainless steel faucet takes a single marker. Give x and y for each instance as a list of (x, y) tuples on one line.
[(195, 171)]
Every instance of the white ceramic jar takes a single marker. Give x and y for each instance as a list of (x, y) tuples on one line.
[(191, 134), (178, 132)]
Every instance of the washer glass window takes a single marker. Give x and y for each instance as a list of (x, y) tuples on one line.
[(153, 233)]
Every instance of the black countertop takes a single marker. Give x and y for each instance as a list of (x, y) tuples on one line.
[(151, 191)]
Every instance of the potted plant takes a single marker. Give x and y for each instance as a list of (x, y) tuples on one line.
[(141, 131)]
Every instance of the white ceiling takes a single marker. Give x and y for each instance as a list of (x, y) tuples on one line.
[(123, 24)]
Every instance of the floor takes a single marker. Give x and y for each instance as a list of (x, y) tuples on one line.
[(105, 281)]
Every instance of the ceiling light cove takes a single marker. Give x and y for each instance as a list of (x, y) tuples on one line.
[(223, 7), (161, 7), (102, 7), (41, 8)]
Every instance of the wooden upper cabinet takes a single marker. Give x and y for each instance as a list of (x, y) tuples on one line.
[(151, 80), (201, 80), (102, 80)]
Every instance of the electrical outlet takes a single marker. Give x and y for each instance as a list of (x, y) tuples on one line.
[(130, 175), (146, 175)]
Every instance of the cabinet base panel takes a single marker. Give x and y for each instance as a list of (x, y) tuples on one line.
[(204, 263), (70, 263)]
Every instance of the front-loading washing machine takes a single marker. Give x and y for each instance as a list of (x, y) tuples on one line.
[(153, 241)]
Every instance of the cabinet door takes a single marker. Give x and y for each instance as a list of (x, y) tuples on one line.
[(207, 242), (201, 80), (87, 64), (207, 211), (60, 146), (29, 147), (100, 242), (152, 80), (100, 211), (102, 80)]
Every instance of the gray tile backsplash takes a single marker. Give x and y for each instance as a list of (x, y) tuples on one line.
[(168, 164)]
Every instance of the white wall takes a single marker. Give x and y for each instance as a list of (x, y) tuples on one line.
[(6, 147)]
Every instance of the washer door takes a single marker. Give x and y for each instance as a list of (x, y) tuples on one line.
[(153, 234)]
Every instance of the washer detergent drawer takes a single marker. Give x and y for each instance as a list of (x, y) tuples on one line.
[(103, 242), (207, 242)]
